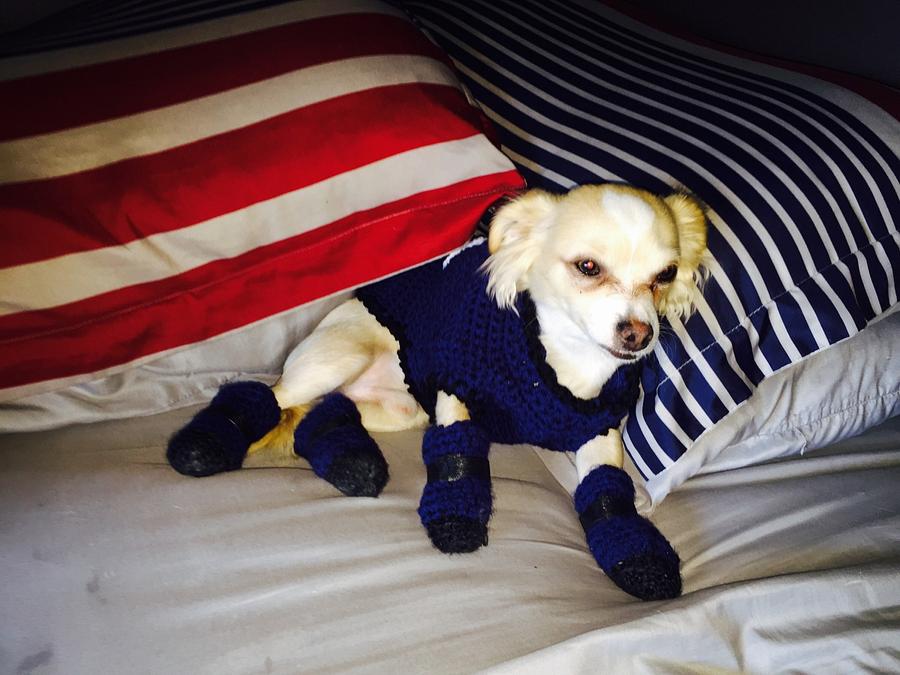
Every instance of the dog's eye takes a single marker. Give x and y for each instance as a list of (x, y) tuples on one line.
[(589, 268), (667, 275)]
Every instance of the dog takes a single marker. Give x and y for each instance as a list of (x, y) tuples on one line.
[(532, 336)]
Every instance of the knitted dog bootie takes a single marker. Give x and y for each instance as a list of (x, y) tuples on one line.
[(456, 502), (632, 552), (339, 449), (218, 437)]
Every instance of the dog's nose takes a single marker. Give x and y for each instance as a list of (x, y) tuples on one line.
[(634, 335)]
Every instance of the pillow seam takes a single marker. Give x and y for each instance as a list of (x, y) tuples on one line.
[(792, 424)]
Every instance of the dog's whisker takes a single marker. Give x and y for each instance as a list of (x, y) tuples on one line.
[(667, 331), (668, 341)]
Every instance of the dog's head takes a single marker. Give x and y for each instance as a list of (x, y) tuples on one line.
[(609, 258)]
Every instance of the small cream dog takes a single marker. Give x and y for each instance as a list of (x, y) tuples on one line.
[(594, 268), (601, 263)]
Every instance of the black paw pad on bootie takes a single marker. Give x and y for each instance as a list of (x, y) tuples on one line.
[(457, 534), (218, 437), (358, 472), (648, 576), (339, 449)]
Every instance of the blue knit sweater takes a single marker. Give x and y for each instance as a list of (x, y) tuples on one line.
[(454, 338)]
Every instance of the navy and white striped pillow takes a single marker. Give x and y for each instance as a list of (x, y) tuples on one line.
[(801, 178)]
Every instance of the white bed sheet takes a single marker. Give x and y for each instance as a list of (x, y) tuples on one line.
[(113, 563)]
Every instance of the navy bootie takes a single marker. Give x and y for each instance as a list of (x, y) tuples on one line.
[(629, 548), (218, 437), (339, 449), (456, 503)]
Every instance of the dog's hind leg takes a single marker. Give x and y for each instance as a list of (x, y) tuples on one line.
[(217, 438), (350, 360), (345, 345), (249, 415), (341, 348)]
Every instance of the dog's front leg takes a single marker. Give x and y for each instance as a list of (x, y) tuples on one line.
[(629, 548), (456, 502), (603, 450)]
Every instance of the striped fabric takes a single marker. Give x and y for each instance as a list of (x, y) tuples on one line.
[(801, 179), (160, 189)]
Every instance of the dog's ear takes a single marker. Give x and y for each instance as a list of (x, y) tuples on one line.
[(514, 241), (690, 218)]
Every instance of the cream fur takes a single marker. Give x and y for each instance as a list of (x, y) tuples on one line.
[(605, 450), (536, 240), (449, 409)]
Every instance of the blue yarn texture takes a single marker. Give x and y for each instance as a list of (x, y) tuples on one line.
[(628, 543), (218, 437), (339, 449), (250, 405), (331, 428), (468, 497), (454, 338), (463, 438), (607, 481)]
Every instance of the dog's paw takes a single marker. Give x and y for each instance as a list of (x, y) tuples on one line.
[(628, 547), (208, 445), (339, 449), (636, 556), (218, 437), (648, 576), (456, 513), (457, 501), (358, 472), (457, 534)]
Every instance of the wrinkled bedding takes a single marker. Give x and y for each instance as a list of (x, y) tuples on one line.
[(113, 563)]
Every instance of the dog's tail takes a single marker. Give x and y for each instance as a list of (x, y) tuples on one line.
[(279, 442)]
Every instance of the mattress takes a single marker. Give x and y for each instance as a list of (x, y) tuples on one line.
[(113, 563)]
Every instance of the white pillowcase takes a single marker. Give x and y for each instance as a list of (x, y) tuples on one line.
[(176, 380)]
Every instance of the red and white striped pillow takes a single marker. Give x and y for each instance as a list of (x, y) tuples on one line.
[(158, 190)]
